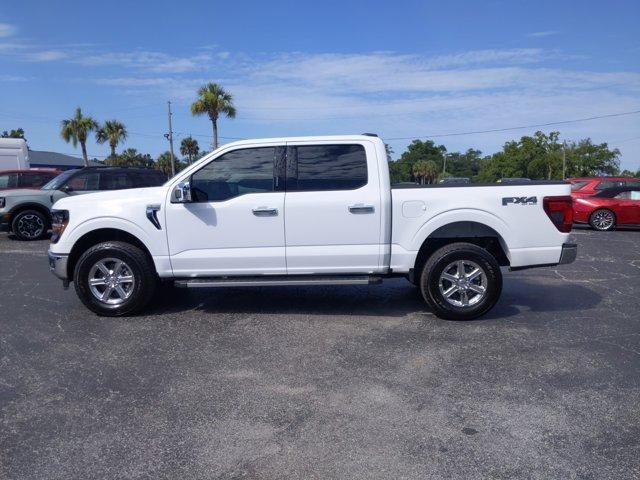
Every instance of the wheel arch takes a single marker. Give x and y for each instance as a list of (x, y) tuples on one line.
[(100, 235), (476, 233), (21, 207)]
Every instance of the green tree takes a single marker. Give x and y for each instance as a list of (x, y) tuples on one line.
[(113, 132), (213, 100), (402, 169), (163, 162), (463, 164), (76, 130), (130, 157), (14, 133), (189, 147), (586, 159), (426, 171), (629, 173)]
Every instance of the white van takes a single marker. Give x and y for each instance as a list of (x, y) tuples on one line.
[(13, 154)]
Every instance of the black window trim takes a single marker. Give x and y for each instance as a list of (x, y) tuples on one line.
[(279, 157), (292, 164)]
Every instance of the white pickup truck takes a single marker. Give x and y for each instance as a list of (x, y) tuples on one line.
[(307, 211)]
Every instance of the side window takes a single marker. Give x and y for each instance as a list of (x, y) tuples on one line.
[(249, 170), (150, 178), (623, 196), (632, 183), (34, 180), (329, 167), (608, 184), (85, 181), (8, 180), (115, 180), (577, 185)]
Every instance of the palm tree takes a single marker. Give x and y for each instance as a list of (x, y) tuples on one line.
[(189, 147), (425, 170), (113, 132), (214, 101), (76, 129)]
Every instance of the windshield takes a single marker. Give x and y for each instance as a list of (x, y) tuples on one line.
[(57, 182)]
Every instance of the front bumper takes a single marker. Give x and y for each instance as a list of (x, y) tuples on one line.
[(58, 265), (5, 222)]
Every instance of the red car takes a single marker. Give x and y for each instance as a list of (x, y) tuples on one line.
[(585, 186), (608, 208), (32, 178)]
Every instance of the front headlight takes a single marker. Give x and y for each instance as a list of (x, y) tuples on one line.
[(2, 202), (59, 221)]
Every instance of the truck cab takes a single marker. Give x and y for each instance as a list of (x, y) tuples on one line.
[(306, 210)]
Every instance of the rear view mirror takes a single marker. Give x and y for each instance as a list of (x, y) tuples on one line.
[(181, 193)]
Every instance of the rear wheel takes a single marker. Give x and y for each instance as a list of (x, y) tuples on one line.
[(115, 278), (461, 281), (602, 220), (29, 225)]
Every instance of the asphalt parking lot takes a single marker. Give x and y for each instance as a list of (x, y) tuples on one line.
[(326, 382)]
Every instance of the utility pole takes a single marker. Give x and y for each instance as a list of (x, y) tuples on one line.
[(170, 138), (564, 160)]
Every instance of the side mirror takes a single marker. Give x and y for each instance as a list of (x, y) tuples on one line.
[(67, 189), (181, 193)]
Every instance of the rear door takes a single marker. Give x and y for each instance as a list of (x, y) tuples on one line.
[(332, 208)]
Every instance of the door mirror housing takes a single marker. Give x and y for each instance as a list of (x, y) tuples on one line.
[(181, 193), (67, 189)]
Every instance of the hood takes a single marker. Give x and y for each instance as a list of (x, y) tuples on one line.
[(107, 200), (23, 192)]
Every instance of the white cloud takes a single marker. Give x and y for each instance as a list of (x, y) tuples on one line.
[(545, 33), (45, 56), (6, 30), (149, 61)]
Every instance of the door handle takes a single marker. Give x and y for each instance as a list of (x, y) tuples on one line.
[(361, 208), (265, 212)]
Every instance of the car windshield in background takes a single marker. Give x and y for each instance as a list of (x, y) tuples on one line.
[(57, 182)]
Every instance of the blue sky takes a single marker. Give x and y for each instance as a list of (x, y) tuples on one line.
[(401, 69)]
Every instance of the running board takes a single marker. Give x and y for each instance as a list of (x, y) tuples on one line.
[(279, 280)]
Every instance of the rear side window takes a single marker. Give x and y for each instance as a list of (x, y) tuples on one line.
[(148, 178), (35, 180), (632, 183), (236, 173), (115, 180), (609, 184), (327, 167), (8, 180)]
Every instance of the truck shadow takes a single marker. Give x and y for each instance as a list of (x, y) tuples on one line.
[(395, 298)]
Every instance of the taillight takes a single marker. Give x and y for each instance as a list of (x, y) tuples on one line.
[(560, 211)]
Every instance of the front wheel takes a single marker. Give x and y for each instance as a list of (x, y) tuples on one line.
[(461, 281), (29, 225), (602, 220), (115, 278)]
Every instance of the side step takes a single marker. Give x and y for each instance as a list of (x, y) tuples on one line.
[(280, 280)]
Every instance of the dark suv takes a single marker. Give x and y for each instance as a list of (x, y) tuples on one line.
[(26, 212)]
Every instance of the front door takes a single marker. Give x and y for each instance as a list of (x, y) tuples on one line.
[(332, 206), (235, 224)]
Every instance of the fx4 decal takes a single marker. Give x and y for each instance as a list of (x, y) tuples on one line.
[(519, 200)]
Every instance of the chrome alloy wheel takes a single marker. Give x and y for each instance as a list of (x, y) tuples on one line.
[(111, 281), (463, 283), (30, 226), (603, 220)]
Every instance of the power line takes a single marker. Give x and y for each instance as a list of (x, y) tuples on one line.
[(549, 124)]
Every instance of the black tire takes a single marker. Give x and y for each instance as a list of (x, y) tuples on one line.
[(441, 262), (602, 220), (138, 265), (30, 225)]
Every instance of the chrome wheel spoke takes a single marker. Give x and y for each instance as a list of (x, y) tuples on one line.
[(120, 291), (106, 294), (450, 291), (477, 288), (126, 279), (460, 266), (449, 277), (97, 281), (474, 274), (103, 268), (464, 298)]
